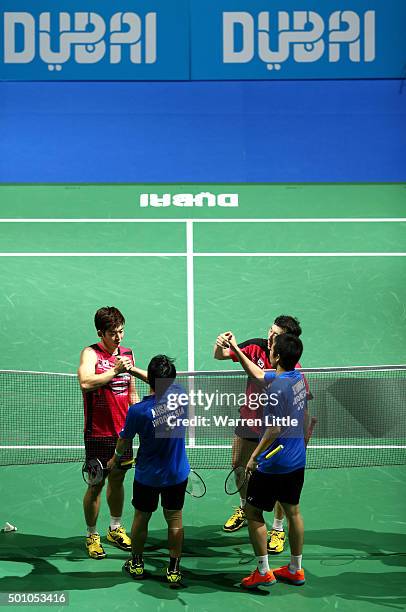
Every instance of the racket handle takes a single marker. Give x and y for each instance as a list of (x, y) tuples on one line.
[(274, 451)]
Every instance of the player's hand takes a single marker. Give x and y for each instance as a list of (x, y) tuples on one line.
[(251, 465), (111, 463), (231, 339), (222, 342), (127, 363), (122, 364)]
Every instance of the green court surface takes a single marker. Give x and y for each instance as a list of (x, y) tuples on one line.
[(354, 556), (255, 200), (333, 255)]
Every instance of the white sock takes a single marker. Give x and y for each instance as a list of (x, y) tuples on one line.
[(263, 565), (295, 563), (277, 524), (115, 521), (91, 530), (242, 504)]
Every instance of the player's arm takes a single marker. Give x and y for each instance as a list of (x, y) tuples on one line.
[(307, 420), (306, 424), (121, 446), (269, 437), (125, 437), (88, 379), (133, 397), (138, 373), (251, 368), (221, 352)]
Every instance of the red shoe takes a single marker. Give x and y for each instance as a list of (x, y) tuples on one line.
[(284, 575), (256, 579)]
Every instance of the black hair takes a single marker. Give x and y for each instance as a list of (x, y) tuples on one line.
[(289, 348), (161, 367), (290, 325), (108, 317)]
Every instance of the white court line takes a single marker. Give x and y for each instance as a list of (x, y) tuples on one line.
[(216, 447), (388, 254), (218, 220), (355, 446), (300, 254), (328, 446), (92, 254)]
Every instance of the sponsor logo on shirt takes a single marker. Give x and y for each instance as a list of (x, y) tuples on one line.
[(299, 394), (119, 385)]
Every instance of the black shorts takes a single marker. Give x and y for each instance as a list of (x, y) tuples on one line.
[(146, 498), (246, 433), (266, 489), (103, 449)]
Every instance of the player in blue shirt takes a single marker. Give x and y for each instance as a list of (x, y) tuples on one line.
[(281, 477), (162, 467)]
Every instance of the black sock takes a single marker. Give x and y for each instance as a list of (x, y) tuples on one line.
[(138, 559), (174, 564)]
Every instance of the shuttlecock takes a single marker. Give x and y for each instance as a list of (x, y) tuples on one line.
[(9, 527)]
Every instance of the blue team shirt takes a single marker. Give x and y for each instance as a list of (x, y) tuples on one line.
[(161, 457), (287, 397)]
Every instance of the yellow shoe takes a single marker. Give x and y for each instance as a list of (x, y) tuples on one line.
[(136, 570), (119, 538), (236, 520), (276, 542), (94, 548), (173, 577)]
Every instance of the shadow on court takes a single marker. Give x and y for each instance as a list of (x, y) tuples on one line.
[(390, 548), (43, 554), (215, 561), (205, 541)]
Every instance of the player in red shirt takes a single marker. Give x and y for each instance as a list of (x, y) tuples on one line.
[(108, 390), (246, 440)]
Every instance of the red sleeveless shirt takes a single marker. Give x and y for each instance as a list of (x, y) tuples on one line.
[(106, 407)]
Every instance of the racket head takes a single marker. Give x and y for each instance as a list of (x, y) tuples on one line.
[(195, 485), (93, 472), (235, 480)]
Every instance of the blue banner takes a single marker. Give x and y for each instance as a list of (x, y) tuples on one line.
[(94, 40), (298, 39), (202, 39)]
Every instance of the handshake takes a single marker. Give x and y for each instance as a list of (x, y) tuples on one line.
[(122, 364), (226, 340)]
